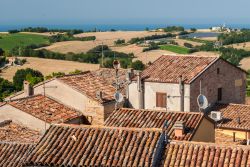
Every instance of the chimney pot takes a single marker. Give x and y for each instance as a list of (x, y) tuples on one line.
[(179, 128), (99, 95), (28, 89)]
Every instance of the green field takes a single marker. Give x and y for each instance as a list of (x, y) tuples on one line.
[(175, 49), (9, 41)]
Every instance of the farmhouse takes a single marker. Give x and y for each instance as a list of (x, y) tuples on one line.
[(189, 126), (233, 125), (91, 93), (38, 112), (173, 83)]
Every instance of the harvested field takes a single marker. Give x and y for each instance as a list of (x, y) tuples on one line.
[(245, 46), (245, 63), (152, 55), (206, 54), (48, 66), (107, 38), (182, 41)]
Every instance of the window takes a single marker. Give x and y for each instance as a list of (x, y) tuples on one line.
[(219, 94), (218, 70), (161, 100)]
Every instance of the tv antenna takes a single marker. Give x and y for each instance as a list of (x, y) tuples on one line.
[(118, 96)]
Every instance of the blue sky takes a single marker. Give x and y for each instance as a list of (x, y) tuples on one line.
[(124, 12)]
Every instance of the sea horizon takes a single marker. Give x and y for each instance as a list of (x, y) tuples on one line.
[(121, 27)]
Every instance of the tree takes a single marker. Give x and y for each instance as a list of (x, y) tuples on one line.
[(33, 76), (138, 65), (6, 88), (1, 52), (193, 29)]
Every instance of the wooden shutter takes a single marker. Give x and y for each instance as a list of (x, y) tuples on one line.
[(161, 99)]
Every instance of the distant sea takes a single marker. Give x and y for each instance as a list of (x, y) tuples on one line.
[(125, 27)]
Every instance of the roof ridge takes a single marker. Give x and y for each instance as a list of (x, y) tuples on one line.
[(69, 75), (235, 104), (105, 127), (26, 97), (208, 144), (190, 55), (164, 111)]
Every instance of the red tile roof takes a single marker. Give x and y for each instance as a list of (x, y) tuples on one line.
[(13, 132), (13, 154), (190, 154), (89, 83), (155, 119), (45, 108), (95, 146), (230, 113), (168, 68)]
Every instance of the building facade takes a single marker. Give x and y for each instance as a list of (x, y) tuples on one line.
[(174, 83)]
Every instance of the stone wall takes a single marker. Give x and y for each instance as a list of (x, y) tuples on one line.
[(230, 79)]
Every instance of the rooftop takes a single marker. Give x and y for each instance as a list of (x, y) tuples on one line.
[(95, 146), (89, 83), (168, 68), (13, 154), (205, 154), (13, 132), (135, 118), (232, 112), (45, 109)]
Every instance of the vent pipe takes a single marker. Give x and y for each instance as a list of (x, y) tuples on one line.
[(181, 89)]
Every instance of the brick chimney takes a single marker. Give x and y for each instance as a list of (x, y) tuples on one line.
[(99, 95), (179, 128), (28, 89)]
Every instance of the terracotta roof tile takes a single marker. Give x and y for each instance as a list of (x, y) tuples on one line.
[(95, 146), (13, 154), (169, 68), (41, 106), (13, 132), (222, 138), (190, 154), (155, 119), (230, 113), (91, 82)]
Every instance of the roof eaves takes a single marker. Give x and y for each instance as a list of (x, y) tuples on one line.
[(198, 75)]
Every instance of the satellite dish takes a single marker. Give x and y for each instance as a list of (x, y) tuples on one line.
[(202, 101), (118, 97)]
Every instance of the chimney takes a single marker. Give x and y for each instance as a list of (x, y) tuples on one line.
[(129, 75), (140, 91), (181, 89), (99, 95), (28, 89), (179, 128)]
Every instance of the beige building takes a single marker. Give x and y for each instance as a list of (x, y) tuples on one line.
[(91, 93), (233, 124), (38, 112), (186, 126), (175, 82)]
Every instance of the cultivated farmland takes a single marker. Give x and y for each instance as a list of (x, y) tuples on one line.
[(47, 66), (9, 41)]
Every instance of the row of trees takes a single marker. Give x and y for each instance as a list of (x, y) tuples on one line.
[(69, 37), (152, 37), (173, 28), (230, 54), (235, 37), (93, 56), (44, 29)]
